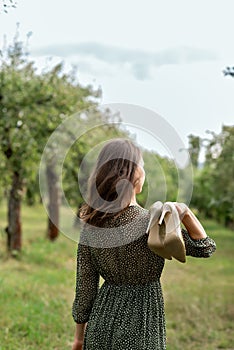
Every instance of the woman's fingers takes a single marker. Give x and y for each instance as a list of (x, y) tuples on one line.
[(181, 208)]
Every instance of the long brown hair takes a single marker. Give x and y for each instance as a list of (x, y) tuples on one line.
[(110, 185)]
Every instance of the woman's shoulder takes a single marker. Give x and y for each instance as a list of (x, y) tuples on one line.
[(125, 228), (133, 212)]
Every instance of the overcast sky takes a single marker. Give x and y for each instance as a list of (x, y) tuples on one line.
[(167, 56)]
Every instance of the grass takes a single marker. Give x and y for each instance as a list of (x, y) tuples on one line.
[(199, 297), (37, 291)]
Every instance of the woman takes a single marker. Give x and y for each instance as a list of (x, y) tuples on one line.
[(127, 312)]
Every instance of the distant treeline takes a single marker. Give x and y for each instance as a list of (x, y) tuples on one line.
[(213, 192)]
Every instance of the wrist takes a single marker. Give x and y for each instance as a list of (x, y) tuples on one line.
[(187, 215), (77, 345)]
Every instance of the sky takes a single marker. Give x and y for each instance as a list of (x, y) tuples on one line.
[(166, 56)]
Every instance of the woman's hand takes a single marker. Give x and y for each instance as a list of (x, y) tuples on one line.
[(191, 223), (77, 344), (182, 209), (79, 336)]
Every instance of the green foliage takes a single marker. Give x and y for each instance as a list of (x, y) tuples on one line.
[(161, 179), (229, 71), (214, 185), (17, 100), (32, 105), (194, 149), (223, 176), (203, 190)]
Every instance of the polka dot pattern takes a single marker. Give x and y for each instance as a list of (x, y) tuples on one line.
[(127, 312)]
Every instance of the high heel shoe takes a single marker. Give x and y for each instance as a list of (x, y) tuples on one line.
[(173, 243), (157, 233)]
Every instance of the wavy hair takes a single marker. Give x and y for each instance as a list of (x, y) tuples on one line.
[(111, 183)]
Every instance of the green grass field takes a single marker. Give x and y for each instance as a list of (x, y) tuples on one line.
[(37, 291)]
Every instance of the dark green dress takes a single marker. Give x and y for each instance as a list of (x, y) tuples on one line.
[(127, 312)]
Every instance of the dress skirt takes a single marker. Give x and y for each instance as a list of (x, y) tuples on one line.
[(127, 317)]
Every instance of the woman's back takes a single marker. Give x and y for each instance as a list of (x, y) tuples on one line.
[(128, 311), (127, 258)]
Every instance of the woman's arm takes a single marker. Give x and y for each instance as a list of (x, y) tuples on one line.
[(197, 243), (87, 285), (79, 336)]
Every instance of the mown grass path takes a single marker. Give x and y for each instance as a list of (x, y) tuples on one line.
[(37, 291)]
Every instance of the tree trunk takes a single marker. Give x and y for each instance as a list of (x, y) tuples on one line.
[(229, 223), (53, 207), (13, 230)]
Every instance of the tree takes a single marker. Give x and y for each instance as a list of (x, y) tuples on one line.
[(65, 96), (18, 98), (223, 173), (32, 105), (194, 149), (6, 4), (213, 185), (161, 179), (229, 71)]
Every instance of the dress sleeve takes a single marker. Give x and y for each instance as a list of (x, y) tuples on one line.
[(87, 284), (199, 248)]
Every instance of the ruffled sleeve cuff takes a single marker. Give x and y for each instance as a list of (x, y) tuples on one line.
[(199, 248)]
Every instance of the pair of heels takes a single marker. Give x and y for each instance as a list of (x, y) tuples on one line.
[(165, 237)]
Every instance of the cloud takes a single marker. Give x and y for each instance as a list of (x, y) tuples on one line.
[(140, 61)]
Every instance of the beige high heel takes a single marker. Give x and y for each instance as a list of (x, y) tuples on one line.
[(156, 232), (173, 243)]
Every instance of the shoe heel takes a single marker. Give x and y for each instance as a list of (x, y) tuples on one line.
[(174, 242), (155, 212), (164, 212)]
